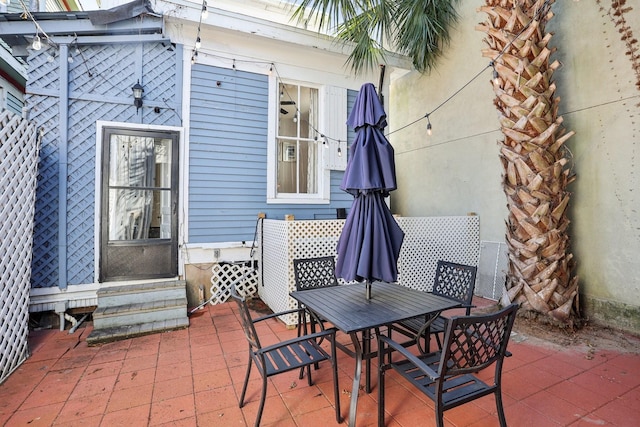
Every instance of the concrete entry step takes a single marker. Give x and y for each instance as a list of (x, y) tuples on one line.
[(116, 333), (130, 310)]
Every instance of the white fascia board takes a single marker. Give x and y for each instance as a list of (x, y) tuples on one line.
[(245, 24)]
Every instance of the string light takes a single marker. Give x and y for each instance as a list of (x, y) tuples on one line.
[(194, 57), (429, 129), (198, 43), (205, 11), (36, 44), (496, 76)]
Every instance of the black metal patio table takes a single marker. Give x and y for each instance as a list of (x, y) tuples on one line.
[(347, 308)]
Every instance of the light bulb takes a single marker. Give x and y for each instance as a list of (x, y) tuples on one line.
[(429, 131), (205, 12), (198, 43), (295, 117), (339, 151), (70, 59), (36, 44)]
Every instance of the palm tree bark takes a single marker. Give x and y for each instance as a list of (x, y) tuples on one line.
[(535, 160)]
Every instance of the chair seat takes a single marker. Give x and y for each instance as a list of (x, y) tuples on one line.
[(293, 356), (455, 390), (414, 324)]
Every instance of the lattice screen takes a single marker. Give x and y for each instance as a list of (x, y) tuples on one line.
[(427, 240), (18, 168), (282, 242), (225, 275)]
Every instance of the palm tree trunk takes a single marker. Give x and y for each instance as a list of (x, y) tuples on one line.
[(535, 161)]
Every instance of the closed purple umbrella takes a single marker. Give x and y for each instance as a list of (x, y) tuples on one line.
[(369, 246)]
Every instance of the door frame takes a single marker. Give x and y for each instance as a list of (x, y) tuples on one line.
[(100, 127)]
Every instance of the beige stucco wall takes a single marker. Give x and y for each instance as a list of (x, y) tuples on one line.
[(457, 170)]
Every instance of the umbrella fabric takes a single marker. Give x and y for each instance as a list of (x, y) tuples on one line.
[(370, 242), (369, 246)]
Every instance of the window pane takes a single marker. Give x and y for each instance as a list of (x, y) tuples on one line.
[(287, 126), (139, 214), (308, 171), (308, 112), (139, 162)]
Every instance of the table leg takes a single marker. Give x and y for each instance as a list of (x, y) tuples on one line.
[(356, 379), (366, 349)]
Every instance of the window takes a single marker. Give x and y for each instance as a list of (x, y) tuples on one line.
[(299, 157), (297, 168)]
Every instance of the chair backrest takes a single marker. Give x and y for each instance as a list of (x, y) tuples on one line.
[(472, 343), (313, 273), (246, 320), (455, 281)]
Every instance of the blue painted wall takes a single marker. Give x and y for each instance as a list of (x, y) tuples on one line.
[(228, 158)]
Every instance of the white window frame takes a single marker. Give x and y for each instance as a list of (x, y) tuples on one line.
[(331, 122)]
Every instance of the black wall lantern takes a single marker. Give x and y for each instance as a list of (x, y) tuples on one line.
[(138, 90)]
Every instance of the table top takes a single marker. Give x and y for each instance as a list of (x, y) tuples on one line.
[(347, 308)]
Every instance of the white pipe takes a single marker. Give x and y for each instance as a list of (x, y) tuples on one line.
[(73, 329), (71, 319)]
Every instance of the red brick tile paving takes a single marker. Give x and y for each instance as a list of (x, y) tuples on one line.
[(193, 377)]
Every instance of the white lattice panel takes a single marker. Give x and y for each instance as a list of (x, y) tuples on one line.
[(18, 169), (429, 239), (224, 275), (283, 241)]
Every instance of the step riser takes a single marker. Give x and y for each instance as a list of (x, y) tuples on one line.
[(125, 298), (139, 309), (133, 318), (125, 332)]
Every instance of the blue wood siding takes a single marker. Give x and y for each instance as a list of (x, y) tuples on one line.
[(228, 158), (14, 104)]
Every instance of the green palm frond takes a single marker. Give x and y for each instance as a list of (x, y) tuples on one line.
[(416, 28)]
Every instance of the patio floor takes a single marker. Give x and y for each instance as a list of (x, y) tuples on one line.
[(193, 377)]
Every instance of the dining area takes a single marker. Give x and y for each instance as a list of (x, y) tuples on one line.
[(361, 320), (194, 377)]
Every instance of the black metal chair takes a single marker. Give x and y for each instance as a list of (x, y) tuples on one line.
[(448, 376), (289, 355), (452, 280), (312, 273)]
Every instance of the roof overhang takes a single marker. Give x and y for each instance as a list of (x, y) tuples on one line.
[(18, 32)]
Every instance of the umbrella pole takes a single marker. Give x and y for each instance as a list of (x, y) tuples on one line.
[(368, 289)]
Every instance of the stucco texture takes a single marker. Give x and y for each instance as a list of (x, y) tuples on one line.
[(457, 170)]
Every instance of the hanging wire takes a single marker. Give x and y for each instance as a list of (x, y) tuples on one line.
[(36, 43), (543, 9)]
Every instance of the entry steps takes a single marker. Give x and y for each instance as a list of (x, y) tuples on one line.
[(133, 310)]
